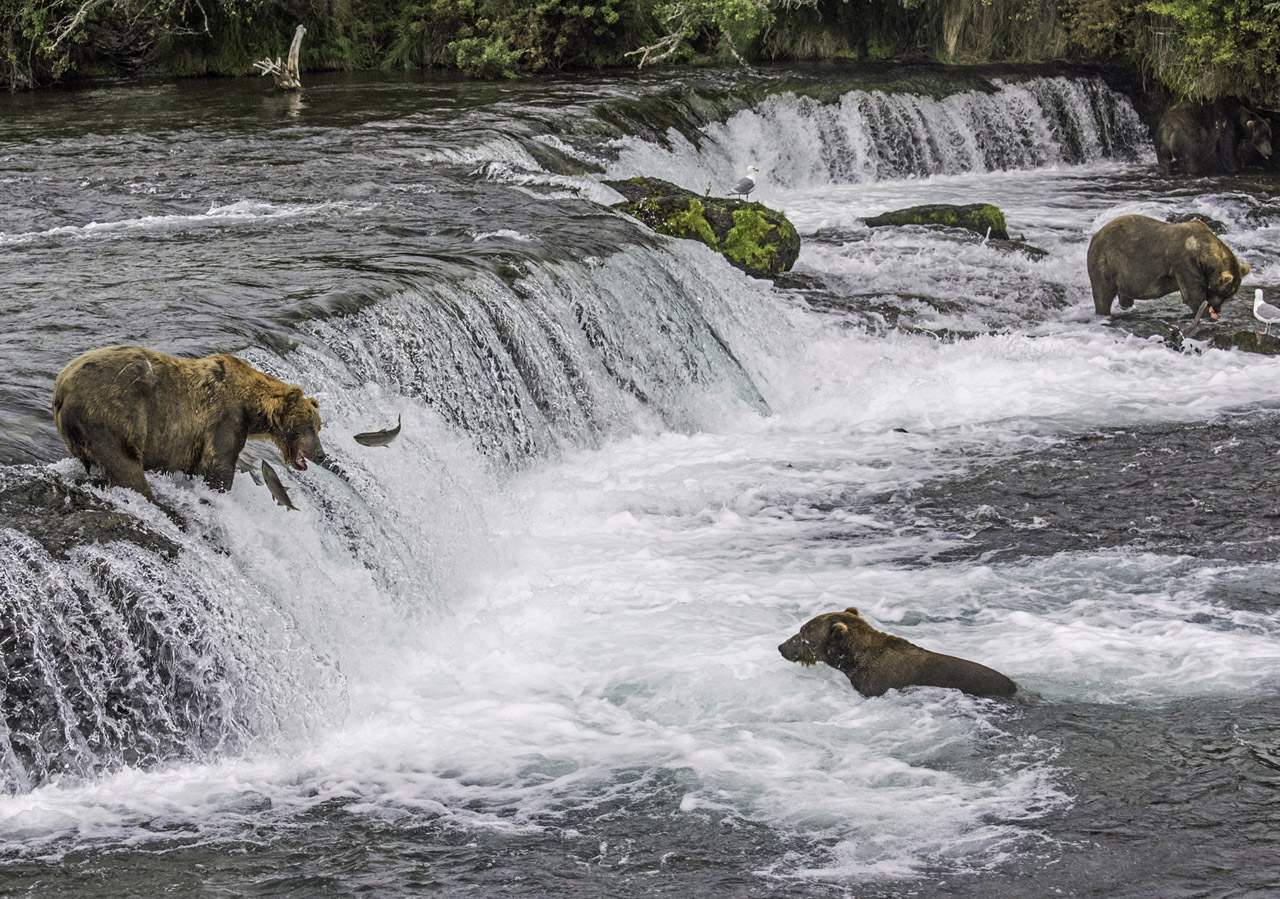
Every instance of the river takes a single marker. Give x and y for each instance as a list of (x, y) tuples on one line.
[(530, 648)]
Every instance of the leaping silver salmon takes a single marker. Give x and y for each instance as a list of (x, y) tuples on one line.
[(274, 484), (379, 438)]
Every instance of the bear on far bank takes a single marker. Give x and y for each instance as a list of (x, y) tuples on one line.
[(1135, 257), (1219, 138), (128, 410)]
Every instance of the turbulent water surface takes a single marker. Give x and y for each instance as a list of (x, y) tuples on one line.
[(530, 648)]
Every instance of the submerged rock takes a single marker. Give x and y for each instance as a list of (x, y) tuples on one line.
[(1181, 218), (112, 653), (1034, 253), (975, 217), (1247, 340), (757, 239), (1176, 332)]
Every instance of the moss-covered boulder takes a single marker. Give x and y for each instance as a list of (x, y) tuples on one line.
[(757, 239), (975, 217)]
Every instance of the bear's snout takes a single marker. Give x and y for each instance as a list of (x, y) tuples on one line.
[(797, 649), (306, 447)]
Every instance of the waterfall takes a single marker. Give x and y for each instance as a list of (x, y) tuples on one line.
[(875, 136), (131, 635), (128, 639)]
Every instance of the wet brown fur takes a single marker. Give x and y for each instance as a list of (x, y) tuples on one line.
[(128, 410), (1219, 138), (876, 662), (1139, 258)]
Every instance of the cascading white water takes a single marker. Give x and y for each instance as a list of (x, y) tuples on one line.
[(556, 355), (622, 480), (874, 136), (165, 643)]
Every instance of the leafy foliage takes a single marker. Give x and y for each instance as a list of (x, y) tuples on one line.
[(1198, 48), (1209, 48)]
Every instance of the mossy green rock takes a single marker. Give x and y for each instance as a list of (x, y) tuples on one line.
[(975, 217), (757, 239)]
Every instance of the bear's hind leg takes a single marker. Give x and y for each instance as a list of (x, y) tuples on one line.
[(123, 468), (1104, 290)]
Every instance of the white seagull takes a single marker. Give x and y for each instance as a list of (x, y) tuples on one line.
[(1264, 312), (748, 183)]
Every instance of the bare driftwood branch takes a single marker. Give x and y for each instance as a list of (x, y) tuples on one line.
[(660, 50), (68, 25), (686, 18), (287, 74)]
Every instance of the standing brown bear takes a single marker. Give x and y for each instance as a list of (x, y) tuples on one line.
[(876, 662), (1219, 138), (1139, 258), (128, 410)]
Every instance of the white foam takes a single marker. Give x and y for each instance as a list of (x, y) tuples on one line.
[(511, 645), (504, 234), (241, 211)]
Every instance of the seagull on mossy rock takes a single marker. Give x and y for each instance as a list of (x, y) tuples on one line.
[(748, 183), (1264, 312)]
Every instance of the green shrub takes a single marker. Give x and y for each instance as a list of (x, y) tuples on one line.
[(483, 57)]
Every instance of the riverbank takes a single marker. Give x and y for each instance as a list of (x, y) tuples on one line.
[(1188, 50)]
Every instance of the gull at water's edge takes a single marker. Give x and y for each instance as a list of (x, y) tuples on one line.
[(1265, 312)]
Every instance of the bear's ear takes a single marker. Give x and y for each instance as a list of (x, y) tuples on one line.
[(1244, 268), (852, 611), (293, 394), (1224, 279)]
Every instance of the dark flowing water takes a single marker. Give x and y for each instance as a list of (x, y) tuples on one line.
[(529, 649)]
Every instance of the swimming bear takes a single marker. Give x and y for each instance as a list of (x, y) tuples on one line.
[(876, 662)]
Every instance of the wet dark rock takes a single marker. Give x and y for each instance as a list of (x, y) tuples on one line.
[(1034, 253), (1248, 341), (1180, 218), (1172, 330), (837, 235), (802, 281), (975, 217), (61, 515), (1178, 331), (759, 240)]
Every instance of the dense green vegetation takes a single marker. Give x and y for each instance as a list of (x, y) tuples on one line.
[(1198, 48)]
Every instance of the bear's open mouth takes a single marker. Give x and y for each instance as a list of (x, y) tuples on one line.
[(292, 456)]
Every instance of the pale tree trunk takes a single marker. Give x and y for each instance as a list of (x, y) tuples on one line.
[(287, 74)]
